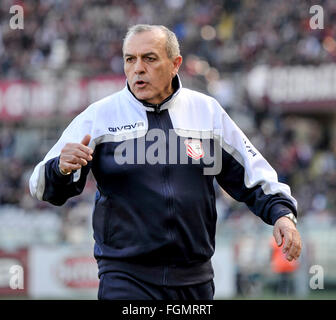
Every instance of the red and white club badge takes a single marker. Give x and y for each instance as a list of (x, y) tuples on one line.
[(194, 148)]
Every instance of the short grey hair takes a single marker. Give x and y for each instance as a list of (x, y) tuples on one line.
[(172, 44)]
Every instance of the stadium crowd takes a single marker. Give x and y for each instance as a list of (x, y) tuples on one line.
[(220, 42), (231, 35)]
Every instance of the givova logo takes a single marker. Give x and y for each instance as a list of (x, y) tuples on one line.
[(127, 127)]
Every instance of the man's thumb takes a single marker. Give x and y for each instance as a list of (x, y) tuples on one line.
[(277, 236), (86, 140)]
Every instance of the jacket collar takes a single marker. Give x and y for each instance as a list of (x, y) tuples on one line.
[(165, 104)]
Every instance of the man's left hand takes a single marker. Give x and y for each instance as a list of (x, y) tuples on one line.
[(285, 229)]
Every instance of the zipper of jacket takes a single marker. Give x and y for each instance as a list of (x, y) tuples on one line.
[(168, 190)]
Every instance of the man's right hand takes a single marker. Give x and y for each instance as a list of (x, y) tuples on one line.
[(75, 155)]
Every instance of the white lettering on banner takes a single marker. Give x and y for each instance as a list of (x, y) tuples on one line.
[(71, 99), (98, 89), (296, 84), (77, 272), (16, 99), (42, 99), (274, 91)]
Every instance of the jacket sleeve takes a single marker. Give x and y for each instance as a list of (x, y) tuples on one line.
[(47, 183), (247, 176)]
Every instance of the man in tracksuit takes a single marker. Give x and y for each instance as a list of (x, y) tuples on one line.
[(150, 147)]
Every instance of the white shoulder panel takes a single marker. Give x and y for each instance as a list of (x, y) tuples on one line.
[(112, 118), (193, 112)]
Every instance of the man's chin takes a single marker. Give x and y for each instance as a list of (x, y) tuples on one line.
[(141, 96)]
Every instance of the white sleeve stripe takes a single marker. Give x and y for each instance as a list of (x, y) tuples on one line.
[(37, 181), (270, 185), (41, 183)]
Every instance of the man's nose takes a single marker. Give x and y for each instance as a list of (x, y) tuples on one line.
[(139, 67)]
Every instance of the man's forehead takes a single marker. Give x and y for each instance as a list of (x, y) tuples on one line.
[(146, 41)]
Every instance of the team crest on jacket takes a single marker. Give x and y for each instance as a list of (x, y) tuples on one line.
[(194, 148)]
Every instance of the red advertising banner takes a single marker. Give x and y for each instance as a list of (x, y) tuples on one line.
[(22, 99), (14, 272)]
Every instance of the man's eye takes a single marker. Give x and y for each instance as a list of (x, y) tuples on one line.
[(129, 59), (150, 59)]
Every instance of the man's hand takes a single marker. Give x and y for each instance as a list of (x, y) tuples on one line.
[(285, 229), (75, 155)]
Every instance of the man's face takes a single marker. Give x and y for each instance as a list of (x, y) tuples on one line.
[(148, 69)]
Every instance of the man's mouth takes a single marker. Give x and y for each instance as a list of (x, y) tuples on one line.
[(140, 83)]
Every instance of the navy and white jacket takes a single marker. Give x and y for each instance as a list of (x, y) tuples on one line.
[(155, 213)]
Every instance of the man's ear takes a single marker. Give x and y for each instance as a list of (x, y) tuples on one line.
[(177, 63)]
